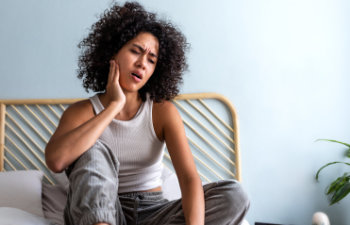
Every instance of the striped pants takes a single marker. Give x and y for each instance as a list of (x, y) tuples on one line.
[(93, 197)]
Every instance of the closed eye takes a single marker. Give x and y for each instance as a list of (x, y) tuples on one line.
[(134, 51)]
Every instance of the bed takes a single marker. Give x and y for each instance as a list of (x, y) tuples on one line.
[(32, 194)]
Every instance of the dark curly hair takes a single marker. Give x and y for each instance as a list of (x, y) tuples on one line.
[(114, 29)]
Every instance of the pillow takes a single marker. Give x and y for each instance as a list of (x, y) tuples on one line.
[(22, 190), (61, 179), (54, 200), (11, 216)]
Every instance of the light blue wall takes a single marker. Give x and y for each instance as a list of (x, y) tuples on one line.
[(284, 64)]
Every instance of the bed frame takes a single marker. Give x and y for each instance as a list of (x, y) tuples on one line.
[(210, 121)]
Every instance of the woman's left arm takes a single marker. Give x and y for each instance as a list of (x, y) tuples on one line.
[(173, 133)]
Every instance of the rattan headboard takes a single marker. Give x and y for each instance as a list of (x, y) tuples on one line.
[(210, 121)]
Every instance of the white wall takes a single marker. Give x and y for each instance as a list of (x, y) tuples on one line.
[(284, 64)]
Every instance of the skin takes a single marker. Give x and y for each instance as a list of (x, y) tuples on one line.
[(79, 127)]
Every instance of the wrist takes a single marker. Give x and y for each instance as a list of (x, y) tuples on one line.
[(116, 106)]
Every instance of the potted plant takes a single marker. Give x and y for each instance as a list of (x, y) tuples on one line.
[(340, 187)]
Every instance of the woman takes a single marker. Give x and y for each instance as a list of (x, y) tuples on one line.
[(111, 145)]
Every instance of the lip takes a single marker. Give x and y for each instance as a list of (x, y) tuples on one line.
[(138, 73), (138, 77)]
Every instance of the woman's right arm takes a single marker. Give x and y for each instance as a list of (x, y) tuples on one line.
[(79, 128)]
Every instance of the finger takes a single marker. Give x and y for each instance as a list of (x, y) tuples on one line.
[(116, 72), (111, 71)]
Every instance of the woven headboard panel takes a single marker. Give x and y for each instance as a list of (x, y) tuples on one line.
[(210, 121)]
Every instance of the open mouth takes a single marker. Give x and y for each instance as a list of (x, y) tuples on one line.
[(136, 75)]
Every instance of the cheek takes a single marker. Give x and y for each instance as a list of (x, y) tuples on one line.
[(151, 69), (122, 65), (123, 82), (150, 72), (120, 58)]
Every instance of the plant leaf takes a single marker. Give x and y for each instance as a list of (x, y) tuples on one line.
[(341, 193), (328, 164), (343, 143), (348, 153), (335, 185), (339, 182)]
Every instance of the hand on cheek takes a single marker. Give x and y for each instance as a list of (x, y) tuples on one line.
[(113, 89)]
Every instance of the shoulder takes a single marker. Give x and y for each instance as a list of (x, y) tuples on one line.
[(75, 115), (79, 111), (164, 115), (164, 110), (80, 106)]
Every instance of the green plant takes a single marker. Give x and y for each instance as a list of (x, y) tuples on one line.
[(340, 187)]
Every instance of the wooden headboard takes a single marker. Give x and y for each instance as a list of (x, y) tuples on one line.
[(210, 121)]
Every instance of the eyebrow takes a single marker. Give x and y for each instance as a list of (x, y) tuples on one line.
[(143, 50)]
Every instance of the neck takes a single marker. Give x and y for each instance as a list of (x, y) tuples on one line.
[(132, 105), (132, 98)]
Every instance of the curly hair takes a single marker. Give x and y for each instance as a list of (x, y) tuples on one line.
[(113, 30)]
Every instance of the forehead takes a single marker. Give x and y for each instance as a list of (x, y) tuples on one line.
[(147, 41)]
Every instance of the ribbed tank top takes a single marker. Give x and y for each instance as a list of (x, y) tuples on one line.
[(136, 146)]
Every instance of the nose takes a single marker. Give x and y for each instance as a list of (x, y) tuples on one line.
[(141, 61)]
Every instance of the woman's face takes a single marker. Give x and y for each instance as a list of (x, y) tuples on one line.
[(137, 61)]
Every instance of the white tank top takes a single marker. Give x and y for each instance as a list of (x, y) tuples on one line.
[(136, 146)]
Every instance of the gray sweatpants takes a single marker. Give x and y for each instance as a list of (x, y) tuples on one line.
[(93, 197)]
